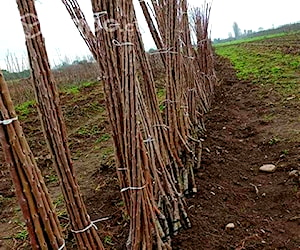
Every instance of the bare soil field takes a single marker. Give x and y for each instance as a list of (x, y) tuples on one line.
[(264, 207), (288, 44)]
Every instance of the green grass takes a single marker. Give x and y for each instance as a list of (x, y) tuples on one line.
[(248, 40), (88, 84), (274, 141), (52, 178), (106, 153), (161, 93), (3, 199), (265, 65), (75, 89), (58, 201), (22, 235), (103, 138), (88, 131), (25, 108), (108, 240)]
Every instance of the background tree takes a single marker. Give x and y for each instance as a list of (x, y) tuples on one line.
[(236, 30)]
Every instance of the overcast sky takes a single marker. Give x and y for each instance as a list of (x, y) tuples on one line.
[(62, 38)]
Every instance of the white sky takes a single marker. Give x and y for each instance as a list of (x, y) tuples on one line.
[(62, 38)]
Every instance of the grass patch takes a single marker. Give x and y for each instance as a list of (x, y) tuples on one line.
[(274, 141), (263, 65), (52, 178), (104, 138), (3, 199), (22, 235), (24, 109), (107, 152), (161, 93), (108, 240), (58, 201), (75, 89), (89, 131), (249, 40), (88, 84)]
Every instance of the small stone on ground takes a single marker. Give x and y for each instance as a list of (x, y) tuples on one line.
[(229, 226), (269, 168)]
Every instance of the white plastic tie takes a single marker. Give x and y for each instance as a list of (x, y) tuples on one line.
[(100, 13), (161, 51), (162, 125), (8, 121), (132, 188), (62, 246), (118, 44), (182, 43), (92, 224), (112, 25), (122, 169), (169, 50), (150, 139)]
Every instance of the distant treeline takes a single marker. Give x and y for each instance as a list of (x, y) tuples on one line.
[(16, 75), (64, 66), (287, 28)]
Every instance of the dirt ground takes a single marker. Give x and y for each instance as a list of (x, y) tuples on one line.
[(247, 127), (241, 137)]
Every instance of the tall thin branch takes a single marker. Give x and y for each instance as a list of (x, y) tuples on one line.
[(54, 127), (39, 214)]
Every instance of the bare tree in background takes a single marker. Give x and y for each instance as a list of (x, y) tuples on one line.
[(236, 30)]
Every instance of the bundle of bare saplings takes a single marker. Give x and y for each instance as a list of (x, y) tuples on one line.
[(156, 151)]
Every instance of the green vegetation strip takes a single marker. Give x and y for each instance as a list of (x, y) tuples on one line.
[(76, 88), (25, 108), (251, 39), (265, 66)]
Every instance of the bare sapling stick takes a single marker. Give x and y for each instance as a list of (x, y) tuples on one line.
[(54, 128), (33, 197)]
